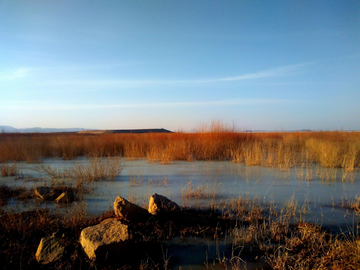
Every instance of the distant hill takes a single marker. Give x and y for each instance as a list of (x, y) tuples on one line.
[(9, 129), (135, 131)]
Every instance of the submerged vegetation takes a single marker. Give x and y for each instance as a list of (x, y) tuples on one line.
[(276, 149)]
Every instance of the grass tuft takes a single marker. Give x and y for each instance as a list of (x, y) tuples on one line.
[(8, 170)]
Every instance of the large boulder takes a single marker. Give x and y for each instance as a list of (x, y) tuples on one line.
[(159, 204), (49, 250), (104, 241), (129, 211)]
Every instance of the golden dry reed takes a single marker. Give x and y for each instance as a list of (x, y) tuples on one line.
[(335, 149)]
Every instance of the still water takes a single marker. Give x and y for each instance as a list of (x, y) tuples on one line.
[(326, 192)]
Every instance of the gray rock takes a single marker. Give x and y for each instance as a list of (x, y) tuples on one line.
[(49, 250), (159, 204), (104, 241), (129, 211)]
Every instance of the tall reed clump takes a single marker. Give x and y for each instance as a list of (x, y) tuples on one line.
[(98, 170), (339, 151)]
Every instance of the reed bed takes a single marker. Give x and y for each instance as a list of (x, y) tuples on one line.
[(95, 170), (277, 149)]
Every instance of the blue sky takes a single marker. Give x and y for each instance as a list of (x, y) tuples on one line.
[(270, 65)]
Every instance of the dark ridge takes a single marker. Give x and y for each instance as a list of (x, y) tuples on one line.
[(134, 131), (153, 130)]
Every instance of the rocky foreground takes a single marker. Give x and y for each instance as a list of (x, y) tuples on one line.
[(131, 237), (106, 240)]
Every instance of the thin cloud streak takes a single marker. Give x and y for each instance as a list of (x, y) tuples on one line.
[(270, 73), (232, 102)]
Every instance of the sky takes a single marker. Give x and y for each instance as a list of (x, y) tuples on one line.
[(257, 65)]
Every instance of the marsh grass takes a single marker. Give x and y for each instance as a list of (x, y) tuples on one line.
[(282, 243), (158, 182), (309, 247), (95, 170), (189, 191), (19, 193), (135, 181), (20, 235), (98, 170), (8, 170), (215, 142), (53, 172), (354, 205), (257, 233), (299, 246)]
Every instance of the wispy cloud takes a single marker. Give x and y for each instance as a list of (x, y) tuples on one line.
[(270, 73), (95, 83), (226, 102), (218, 103)]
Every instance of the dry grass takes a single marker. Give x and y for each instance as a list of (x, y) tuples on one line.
[(200, 192), (53, 172), (21, 233), (95, 170), (284, 246), (354, 205), (98, 170), (265, 234), (283, 150), (8, 170), (309, 247), (158, 182), (19, 193)]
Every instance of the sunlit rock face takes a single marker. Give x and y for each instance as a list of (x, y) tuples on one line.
[(129, 211), (104, 241), (160, 204)]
